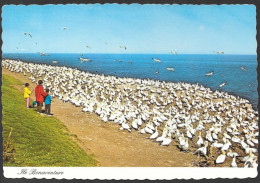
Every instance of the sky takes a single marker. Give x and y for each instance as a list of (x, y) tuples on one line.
[(187, 29)]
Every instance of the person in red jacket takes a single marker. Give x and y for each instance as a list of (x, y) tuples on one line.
[(40, 95)]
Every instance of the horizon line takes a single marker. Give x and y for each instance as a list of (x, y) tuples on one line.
[(134, 53)]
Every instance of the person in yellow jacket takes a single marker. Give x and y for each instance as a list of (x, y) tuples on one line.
[(27, 93)]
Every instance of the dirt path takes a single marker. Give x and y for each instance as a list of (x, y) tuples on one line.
[(112, 147)]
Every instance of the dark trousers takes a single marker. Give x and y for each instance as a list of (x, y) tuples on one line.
[(39, 107), (47, 108)]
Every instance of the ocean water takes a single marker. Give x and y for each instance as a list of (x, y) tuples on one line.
[(189, 68)]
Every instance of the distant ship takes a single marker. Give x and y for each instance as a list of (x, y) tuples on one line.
[(174, 53), (55, 61), (43, 54), (219, 52)]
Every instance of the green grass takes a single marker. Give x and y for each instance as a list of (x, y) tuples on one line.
[(37, 140)]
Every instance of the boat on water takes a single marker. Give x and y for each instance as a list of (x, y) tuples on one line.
[(55, 61), (219, 52), (43, 54), (174, 53)]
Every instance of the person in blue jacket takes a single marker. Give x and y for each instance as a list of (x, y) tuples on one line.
[(48, 104)]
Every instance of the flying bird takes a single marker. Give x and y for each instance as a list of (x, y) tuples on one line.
[(170, 69), (243, 68), (223, 84), (28, 34), (156, 60), (209, 74), (123, 47), (88, 46), (64, 28), (85, 60)]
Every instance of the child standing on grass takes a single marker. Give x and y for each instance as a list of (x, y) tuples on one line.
[(39, 94), (48, 104), (27, 93)]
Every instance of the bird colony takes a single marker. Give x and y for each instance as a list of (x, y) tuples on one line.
[(218, 127)]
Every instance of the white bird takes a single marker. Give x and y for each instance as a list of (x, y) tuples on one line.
[(255, 165), (221, 158), (243, 68), (85, 60), (217, 144), (125, 126), (134, 125), (170, 69), (235, 139), (209, 74), (209, 137), (248, 149), (234, 164), (156, 60), (231, 154), (223, 84), (202, 150), (200, 140), (155, 134), (243, 144), (250, 143), (167, 141), (185, 147), (162, 137), (214, 135), (248, 156), (249, 161), (226, 146), (148, 130)]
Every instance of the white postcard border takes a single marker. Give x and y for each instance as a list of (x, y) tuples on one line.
[(152, 173)]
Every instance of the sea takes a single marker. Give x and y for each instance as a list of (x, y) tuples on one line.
[(190, 68)]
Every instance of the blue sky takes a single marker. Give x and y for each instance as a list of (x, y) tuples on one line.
[(141, 28)]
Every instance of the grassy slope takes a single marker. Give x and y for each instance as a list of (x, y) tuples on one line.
[(38, 140)]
